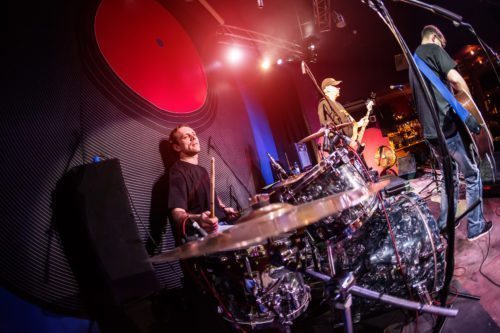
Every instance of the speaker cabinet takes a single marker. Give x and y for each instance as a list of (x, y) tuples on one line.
[(100, 237)]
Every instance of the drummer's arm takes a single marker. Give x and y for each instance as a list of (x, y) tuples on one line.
[(181, 218), (230, 212)]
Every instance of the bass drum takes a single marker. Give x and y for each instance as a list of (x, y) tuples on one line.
[(370, 255), (337, 173)]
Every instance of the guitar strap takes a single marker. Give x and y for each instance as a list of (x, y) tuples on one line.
[(443, 90)]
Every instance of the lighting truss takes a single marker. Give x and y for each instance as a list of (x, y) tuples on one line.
[(322, 15), (227, 34)]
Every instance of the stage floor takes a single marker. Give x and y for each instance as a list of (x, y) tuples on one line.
[(469, 255)]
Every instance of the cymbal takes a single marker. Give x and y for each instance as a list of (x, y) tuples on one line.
[(321, 132), (290, 180), (270, 221), (270, 186)]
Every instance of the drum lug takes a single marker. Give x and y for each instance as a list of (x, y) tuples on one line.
[(423, 293)]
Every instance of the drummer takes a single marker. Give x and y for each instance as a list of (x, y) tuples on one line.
[(339, 114), (189, 187)]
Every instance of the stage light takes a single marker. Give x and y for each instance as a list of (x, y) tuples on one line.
[(234, 55), (279, 61), (265, 64)]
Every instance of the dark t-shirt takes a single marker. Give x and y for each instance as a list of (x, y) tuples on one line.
[(339, 116), (189, 189), (440, 63)]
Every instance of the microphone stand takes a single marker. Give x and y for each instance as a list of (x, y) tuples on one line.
[(457, 21), (379, 7)]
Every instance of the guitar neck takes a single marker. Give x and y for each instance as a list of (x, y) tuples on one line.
[(361, 131)]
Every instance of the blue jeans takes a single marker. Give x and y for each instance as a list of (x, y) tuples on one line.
[(474, 187)]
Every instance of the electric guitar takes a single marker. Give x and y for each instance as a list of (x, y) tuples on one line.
[(482, 143), (358, 132)]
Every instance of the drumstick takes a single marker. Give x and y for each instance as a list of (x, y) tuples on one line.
[(212, 188)]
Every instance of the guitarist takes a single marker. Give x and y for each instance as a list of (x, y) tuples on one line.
[(339, 114), (431, 51)]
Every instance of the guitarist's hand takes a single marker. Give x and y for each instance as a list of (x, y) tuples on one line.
[(472, 124)]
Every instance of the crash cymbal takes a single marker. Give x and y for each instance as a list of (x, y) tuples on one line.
[(321, 132), (290, 180), (270, 221)]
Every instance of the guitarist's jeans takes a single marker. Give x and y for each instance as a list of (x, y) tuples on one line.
[(474, 187)]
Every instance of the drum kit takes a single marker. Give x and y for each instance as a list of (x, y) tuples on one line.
[(330, 227)]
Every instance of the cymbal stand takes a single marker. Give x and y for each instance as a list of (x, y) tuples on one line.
[(340, 291)]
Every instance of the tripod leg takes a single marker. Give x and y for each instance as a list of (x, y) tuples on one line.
[(344, 305)]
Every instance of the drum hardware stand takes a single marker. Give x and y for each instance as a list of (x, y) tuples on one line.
[(457, 220), (435, 179), (340, 290), (468, 210), (331, 257), (422, 292)]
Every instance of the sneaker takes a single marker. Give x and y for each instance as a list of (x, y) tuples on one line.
[(487, 228)]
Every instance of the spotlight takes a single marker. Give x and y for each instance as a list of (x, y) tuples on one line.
[(234, 55), (265, 64), (279, 61)]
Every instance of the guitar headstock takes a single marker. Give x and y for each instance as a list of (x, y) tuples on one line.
[(370, 102)]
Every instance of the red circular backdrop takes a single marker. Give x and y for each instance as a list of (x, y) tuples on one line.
[(151, 53)]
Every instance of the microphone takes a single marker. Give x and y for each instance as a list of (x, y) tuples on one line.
[(199, 229), (276, 166), (396, 86), (303, 66)]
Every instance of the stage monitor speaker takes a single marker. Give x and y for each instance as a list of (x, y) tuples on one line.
[(101, 237), (407, 166)]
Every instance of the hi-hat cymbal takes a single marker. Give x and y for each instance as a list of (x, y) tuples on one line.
[(321, 132), (271, 221)]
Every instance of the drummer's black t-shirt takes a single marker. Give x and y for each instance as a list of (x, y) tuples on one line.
[(440, 63), (189, 189)]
